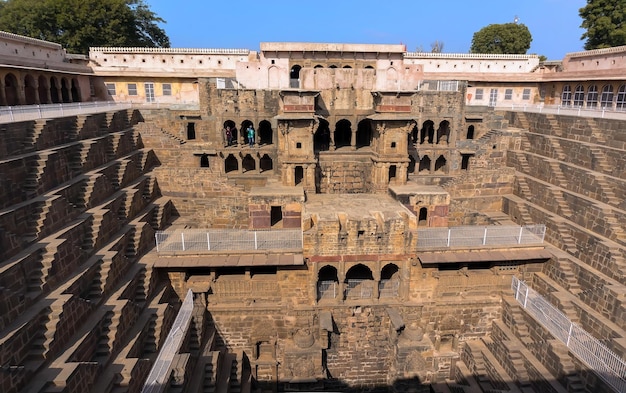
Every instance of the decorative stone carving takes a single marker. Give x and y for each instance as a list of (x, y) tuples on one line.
[(303, 338)]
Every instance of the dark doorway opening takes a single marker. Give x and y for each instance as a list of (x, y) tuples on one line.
[(298, 174), (191, 131), (276, 215), (204, 161), (423, 217)]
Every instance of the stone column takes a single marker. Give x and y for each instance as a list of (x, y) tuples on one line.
[(257, 163), (21, 93), (353, 140), (331, 146), (239, 163), (3, 96), (402, 173), (36, 88), (341, 275), (432, 166)]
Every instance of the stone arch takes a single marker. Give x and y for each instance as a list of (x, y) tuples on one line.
[(54, 90), (43, 90), (422, 219), (318, 66), (443, 132), (440, 164), (244, 128), (364, 133), (266, 163), (424, 164), (294, 76), (389, 281), (248, 163), (30, 90), (233, 129), (390, 271), (327, 283), (392, 77), (343, 133), (265, 133), (10, 90), (359, 282), (75, 91), (273, 77), (231, 164), (321, 138), (470, 132), (427, 133), (65, 91)]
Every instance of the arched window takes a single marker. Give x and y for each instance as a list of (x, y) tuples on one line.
[(363, 133), (470, 132), (566, 96), (233, 131), (440, 164), (231, 164), (248, 164), (424, 164), (423, 217), (321, 139), (54, 90), (43, 90), (606, 98), (75, 91), (30, 91), (65, 91), (266, 163), (294, 77), (620, 101), (265, 133), (592, 97), (10, 90), (428, 132), (359, 282), (319, 66), (204, 161), (327, 283), (343, 133), (579, 96), (443, 132), (389, 281)]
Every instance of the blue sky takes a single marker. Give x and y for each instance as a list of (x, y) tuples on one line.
[(243, 24)]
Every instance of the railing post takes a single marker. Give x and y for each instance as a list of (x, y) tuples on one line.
[(11, 113), (255, 242), (485, 237), (519, 241), (39, 110), (182, 239), (526, 296), (449, 237), (208, 241), (569, 333), (156, 239)]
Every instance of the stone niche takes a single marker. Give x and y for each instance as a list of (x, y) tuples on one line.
[(430, 204), (275, 207), (302, 357)]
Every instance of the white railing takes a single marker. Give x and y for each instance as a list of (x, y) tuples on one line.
[(388, 288), (327, 289), (10, 114), (160, 372), (439, 85), (606, 364), (209, 240), (359, 289), (567, 110), (469, 236)]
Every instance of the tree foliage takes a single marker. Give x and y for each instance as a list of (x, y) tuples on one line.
[(79, 24), (605, 22), (512, 38)]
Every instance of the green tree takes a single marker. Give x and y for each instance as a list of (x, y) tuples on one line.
[(605, 22), (79, 24), (502, 38)]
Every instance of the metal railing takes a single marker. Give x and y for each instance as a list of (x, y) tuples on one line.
[(160, 372), (468, 236), (439, 85), (359, 289), (327, 289), (10, 114), (388, 288), (209, 240), (568, 110), (606, 364)]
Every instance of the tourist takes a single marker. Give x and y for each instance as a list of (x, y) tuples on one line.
[(229, 135), (251, 135)]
